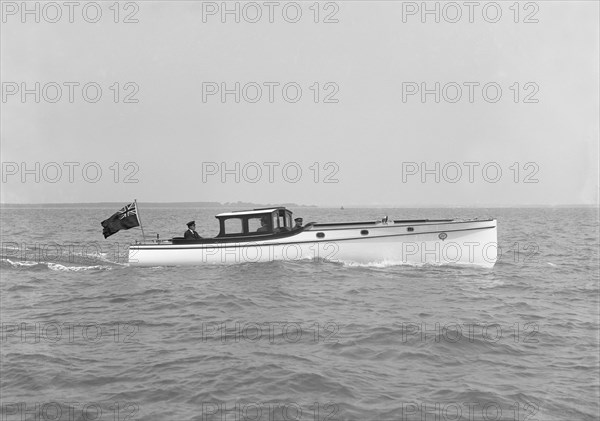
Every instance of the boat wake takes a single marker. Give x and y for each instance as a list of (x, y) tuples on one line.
[(40, 266), (393, 263)]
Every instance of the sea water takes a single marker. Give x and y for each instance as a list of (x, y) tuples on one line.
[(86, 337)]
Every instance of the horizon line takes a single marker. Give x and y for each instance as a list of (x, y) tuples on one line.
[(289, 204)]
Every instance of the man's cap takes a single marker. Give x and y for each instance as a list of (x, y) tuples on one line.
[(298, 220), (189, 224)]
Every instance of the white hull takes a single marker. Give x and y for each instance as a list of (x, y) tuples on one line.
[(472, 242)]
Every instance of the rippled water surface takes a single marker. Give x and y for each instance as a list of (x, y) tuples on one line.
[(85, 334)]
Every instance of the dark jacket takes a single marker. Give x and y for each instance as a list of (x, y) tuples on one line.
[(191, 235)]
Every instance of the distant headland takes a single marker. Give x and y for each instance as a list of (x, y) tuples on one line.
[(237, 204)]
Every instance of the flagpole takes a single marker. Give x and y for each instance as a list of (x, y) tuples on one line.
[(137, 212)]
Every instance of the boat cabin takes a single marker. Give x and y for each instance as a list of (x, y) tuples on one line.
[(255, 222)]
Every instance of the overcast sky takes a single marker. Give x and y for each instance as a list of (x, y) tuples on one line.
[(360, 133)]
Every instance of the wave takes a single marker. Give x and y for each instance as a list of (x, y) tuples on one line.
[(37, 266), (393, 263)]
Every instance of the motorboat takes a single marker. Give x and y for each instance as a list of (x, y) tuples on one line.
[(268, 234)]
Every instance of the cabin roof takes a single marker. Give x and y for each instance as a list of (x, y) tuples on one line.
[(249, 212)]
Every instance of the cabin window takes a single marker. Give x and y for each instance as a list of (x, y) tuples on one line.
[(254, 224), (233, 226), (259, 224)]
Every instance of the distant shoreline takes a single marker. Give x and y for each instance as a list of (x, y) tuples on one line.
[(259, 205), (151, 205)]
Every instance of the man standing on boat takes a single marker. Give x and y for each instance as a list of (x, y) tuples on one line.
[(191, 233)]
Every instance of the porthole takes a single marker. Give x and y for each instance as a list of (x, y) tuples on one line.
[(320, 235), (364, 232)]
